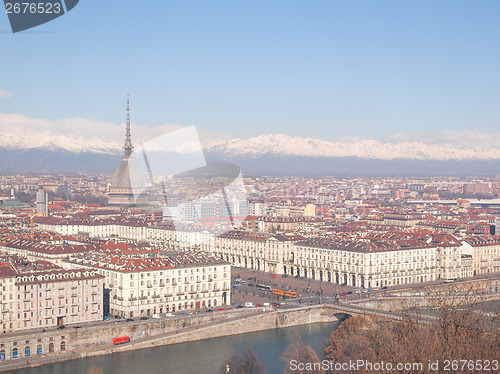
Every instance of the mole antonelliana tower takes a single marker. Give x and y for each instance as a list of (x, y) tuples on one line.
[(127, 185)]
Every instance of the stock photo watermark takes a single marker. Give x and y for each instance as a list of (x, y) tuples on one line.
[(410, 367)]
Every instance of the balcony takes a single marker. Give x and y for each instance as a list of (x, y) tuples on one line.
[(132, 298)]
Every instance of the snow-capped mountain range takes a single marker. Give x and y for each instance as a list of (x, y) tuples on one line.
[(272, 144), (279, 144), (70, 143)]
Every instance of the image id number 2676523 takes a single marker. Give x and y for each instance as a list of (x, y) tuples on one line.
[(27, 7)]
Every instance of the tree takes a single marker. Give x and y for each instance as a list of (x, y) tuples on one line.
[(350, 340), (460, 334), (298, 353), (295, 344), (94, 370), (247, 364)]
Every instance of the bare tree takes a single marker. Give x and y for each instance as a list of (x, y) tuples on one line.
[(94, 370), (247, 364), (460, 334), (300, 358), (294, 345)]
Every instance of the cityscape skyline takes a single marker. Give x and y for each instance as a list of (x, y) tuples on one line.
[(174, 175), (146, 276)]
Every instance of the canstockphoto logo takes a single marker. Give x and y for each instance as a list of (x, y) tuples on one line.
[(26, 14)]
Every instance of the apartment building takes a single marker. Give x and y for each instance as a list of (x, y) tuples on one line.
[(57, 297), (49, 298), (142, 286), (254, 250), (364, 264), (7, 297), (484, 252)]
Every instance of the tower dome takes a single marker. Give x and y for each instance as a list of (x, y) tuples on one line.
[(127, 185)]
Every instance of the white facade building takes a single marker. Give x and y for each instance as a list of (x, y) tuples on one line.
[(143, 286)]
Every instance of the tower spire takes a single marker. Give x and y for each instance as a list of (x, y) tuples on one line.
[(128, 147)]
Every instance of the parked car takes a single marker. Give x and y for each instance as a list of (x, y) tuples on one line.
[(61, 327), (77, 327), (106, 318), (209, 310), (129, 320), (143, 318), (220, 309)]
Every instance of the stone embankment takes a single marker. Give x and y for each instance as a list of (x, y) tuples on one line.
[(97, 340)]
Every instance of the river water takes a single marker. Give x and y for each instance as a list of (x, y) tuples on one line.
[(200, 357)]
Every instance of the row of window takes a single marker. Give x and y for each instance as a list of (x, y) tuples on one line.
[(16, 353)]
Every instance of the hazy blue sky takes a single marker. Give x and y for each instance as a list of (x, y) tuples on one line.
[(324, 69)]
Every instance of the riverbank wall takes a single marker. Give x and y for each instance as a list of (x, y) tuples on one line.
[(265, 321), (61, 345)]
